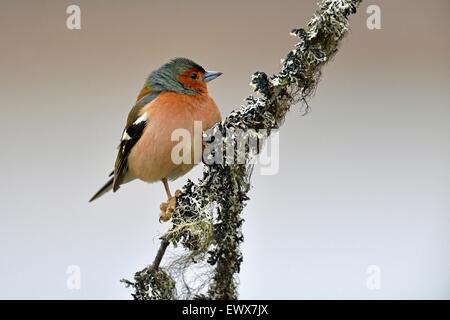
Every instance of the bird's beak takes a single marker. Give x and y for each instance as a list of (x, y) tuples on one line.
[(211, 75)]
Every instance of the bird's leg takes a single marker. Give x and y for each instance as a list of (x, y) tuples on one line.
[(168, 207), (166, 187)]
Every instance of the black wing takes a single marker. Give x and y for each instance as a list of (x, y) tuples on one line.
[(130, 136)]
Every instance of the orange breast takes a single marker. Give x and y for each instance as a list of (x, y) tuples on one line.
[(150, 159)]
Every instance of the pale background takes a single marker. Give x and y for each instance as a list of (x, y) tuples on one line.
[(364, 179)]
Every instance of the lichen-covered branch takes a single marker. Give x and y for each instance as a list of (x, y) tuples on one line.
[(207, 221)]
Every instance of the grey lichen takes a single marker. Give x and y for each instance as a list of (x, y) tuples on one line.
[(152, 284), (207, 221)]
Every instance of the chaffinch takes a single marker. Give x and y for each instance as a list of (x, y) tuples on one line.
[(173, 97)]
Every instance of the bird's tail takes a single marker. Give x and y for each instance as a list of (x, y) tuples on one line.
[(108, 186)]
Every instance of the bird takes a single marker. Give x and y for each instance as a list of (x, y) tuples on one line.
[(174, 96)]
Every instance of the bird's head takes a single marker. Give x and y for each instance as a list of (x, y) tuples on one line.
[(181, 75)]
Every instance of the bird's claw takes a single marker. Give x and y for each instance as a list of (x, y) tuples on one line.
[(168, 207)]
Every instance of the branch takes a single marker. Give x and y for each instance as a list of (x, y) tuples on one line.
[(160, 254), (207, 221)]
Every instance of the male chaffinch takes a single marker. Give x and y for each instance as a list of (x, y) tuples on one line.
[(173, 97)]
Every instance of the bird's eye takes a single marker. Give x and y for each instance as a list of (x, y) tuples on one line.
[(194, 76)]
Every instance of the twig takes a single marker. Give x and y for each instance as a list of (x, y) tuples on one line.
[(160, 254)]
